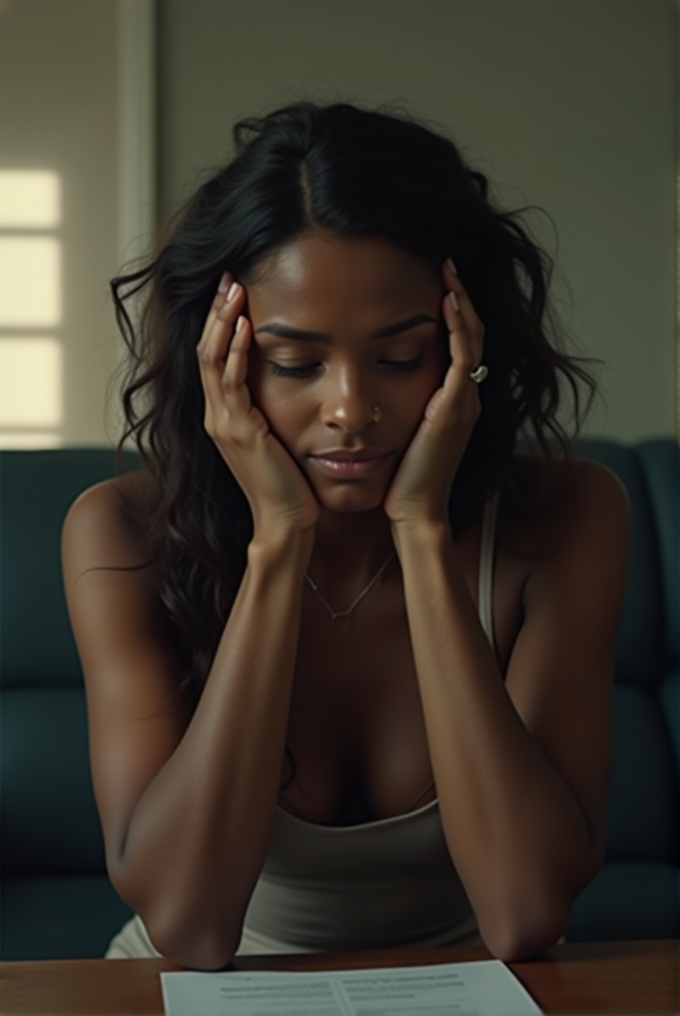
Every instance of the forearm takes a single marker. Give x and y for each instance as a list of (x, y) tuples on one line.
[(198, 836), (515, 831)]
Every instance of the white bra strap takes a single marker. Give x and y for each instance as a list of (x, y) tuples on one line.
[(486, 562)]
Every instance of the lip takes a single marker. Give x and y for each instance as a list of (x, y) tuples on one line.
[(347, 455), (338, 466)]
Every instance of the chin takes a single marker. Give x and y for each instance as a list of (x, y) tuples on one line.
[(348, 498)]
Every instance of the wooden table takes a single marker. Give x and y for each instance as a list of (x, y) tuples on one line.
[(574, 979)]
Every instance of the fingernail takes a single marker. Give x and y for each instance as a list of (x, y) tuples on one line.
[(451, 265), (454, 300), (224, 282), (232, 292)]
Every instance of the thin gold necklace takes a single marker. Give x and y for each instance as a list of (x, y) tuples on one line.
[(350, 610)]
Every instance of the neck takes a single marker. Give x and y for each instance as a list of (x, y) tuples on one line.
[(349, 550)]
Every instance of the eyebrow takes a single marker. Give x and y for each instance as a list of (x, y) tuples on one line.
[(284, 332)]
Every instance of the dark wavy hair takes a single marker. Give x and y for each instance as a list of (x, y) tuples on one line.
[(350, 172)]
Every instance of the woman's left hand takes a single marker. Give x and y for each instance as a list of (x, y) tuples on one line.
[(421, 487)]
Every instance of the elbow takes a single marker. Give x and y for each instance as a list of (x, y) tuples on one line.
[(525, 934), (204, 949), (534, 919), (524, 945), (185, 936), (197, 936)]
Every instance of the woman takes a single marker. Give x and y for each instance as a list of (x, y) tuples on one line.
[(348, 637)]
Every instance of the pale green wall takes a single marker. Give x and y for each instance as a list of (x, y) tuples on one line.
[(569, 105)]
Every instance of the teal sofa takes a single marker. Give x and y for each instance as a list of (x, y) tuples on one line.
[(56, 900)]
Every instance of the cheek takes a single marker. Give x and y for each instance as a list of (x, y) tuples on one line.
[(433, 376), (424, 393), (276, 401), (263, 389), (428, 382)]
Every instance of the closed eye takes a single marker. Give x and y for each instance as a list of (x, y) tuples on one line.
[(307, 369)]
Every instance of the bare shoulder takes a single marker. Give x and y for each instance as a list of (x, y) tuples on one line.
[(583, 541), (544, 516), (597, 502), (104, 527), (594, 478)]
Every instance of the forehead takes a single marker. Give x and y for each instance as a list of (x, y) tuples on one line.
[(322, 274)]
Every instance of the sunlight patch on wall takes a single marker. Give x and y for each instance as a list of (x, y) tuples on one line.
[(29, 200), (36, 400), (30, 282), (31, 354)]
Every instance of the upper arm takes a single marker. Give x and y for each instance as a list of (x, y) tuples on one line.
[(560, 675), (136, 715)]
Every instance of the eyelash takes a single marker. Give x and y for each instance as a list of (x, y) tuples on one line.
[(299, 372)]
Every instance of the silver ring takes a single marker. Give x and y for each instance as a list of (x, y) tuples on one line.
[(477, 374)]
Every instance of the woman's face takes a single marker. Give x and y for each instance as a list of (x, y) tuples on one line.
[(319, 393)]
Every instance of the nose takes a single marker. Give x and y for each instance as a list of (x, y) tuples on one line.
[(348, 404)]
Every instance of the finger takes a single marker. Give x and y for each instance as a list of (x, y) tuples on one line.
[(221, 297), (465, 346), (213, 348), (223, 312), (235, 393), (465, 306)]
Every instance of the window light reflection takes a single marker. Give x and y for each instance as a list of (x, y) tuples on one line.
[(29, 199), (30, 382), (30, 282)]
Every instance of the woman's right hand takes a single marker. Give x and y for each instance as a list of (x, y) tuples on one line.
[(278, 493)]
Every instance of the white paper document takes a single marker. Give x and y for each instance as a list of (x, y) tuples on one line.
[(481, 988)]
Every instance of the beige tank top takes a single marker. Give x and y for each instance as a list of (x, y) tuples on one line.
[(380, 884)]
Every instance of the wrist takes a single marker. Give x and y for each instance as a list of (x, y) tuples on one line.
[(421, 530), (281, 543)]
